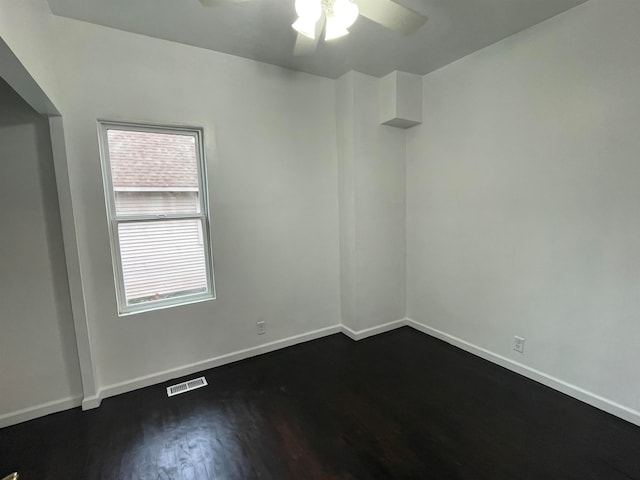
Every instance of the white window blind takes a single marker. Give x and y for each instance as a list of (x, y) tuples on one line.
[(156, 198)]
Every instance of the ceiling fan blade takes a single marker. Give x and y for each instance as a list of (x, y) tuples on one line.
[(306, 46), (215, 3), (392, 15)]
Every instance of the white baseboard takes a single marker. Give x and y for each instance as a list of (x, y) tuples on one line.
[(91, 402), (160, 377), (574, 391), (36, 411), (368, 332)]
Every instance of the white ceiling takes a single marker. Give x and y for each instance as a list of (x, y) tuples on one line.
[(261, 30)]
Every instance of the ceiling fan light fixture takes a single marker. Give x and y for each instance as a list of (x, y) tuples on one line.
[(305, 27), (334, 29), (309, 10), (345, 12)]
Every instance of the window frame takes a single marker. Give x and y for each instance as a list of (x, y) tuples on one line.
[(114, 219)]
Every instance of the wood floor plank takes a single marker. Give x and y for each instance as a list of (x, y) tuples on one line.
[(400, 405)]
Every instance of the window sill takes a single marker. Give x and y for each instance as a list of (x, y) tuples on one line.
[(151, 307)]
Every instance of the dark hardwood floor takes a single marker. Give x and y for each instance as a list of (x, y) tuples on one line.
[(397, 406)]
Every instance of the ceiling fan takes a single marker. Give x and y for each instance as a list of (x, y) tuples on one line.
[(339, 15)]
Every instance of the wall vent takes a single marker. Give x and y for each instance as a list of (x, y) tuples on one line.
[(186, 386)]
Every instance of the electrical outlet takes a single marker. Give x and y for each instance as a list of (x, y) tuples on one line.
[(518, 344), (262, 327)]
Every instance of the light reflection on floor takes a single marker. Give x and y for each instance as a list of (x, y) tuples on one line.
[(204, 445)]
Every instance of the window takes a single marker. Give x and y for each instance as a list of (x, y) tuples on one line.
[(156, 189)]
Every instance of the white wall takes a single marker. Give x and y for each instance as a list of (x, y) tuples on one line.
[(523, 198), (345, 138), (521, 193), (270, 141), (371, 160), (27, 64), (38, 358), (26, 26)]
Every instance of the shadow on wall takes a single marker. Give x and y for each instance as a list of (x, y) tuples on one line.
[(16, 112)]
